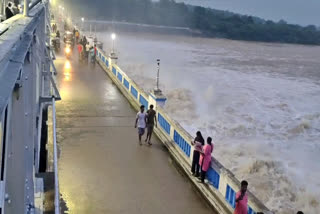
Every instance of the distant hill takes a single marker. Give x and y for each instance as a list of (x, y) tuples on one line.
[(211, 22)]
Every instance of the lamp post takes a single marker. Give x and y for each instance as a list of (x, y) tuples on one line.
[(113, 37), (82, 20), (158, 73)]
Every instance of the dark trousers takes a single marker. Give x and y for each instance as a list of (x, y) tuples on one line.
[(195, 168), (203, 175)]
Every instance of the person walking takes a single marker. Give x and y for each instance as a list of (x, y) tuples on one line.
[(77, 36), (141, 121), (205, 158), (80, 50), (58, 34), (87, 50), (151, 120), (92, 56), (197, 143), (84, 41), (242, 199)]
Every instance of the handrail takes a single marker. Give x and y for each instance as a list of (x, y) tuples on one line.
[(34, 4), (55, 160)]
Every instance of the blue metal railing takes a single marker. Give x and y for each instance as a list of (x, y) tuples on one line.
[(134, 92), (119, 76), (126, 83), (213, 177), (114, 70), (164, 123), (251, 211), (182, 143), (143, 101), (231, 196)]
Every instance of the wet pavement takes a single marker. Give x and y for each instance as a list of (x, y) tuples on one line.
[(102, 168)]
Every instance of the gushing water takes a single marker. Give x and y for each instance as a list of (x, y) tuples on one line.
[(260, 102)]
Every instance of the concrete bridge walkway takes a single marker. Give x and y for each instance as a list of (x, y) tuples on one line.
[(102, 169)]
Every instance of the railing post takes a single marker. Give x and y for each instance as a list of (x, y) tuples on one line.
[(26, 8), (55, 160)]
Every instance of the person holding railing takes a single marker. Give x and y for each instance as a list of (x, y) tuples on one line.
[(242, 199), (205, 158), (197, 143)]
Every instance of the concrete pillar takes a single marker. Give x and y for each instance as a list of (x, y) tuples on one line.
[(113, 59), (26, 8), (156, 98)]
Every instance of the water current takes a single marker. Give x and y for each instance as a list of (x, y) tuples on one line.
[(260, 102)]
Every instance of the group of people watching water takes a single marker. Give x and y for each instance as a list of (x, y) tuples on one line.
[(201, 161), (85, 50), (201, 156)]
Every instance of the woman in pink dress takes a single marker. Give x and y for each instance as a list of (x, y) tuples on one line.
[(242, 199), (205, 158)]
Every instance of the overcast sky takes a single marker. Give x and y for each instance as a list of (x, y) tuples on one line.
[(302, 12)]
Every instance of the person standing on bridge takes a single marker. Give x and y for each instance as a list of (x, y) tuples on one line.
[(151, 120), (242, 199), (9, 11), (205, 158), (80, 50), (141, 121), (197, 143)]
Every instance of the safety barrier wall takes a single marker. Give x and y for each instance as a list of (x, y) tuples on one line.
[(25, 93), (223, 185)]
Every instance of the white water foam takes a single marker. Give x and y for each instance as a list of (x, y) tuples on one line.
[(260, 102)]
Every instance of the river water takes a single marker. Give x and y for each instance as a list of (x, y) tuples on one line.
[(260, 102)]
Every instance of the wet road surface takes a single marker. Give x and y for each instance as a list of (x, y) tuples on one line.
[(102, 168)]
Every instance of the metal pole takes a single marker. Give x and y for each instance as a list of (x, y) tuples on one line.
[(112, 45), (158, 62), (55, 159), (26, 8)]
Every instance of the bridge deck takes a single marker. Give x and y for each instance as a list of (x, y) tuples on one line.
[(102, 169)]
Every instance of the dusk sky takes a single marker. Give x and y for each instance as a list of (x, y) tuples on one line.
[(302, 12)]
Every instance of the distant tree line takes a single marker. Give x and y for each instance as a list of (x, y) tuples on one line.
[(211, 22)]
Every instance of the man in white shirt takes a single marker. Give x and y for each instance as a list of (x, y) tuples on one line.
[(141, 121)]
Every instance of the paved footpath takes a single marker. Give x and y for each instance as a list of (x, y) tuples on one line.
[(102, 169)]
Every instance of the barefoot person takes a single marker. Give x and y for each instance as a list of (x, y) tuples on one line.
[(141, 121), (151, 120), (242, 199)]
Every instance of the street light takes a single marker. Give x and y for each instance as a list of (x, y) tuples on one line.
[(82, 20), (158, 72), (113, 37)]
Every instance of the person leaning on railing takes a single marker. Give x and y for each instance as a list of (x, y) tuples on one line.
[(197, 143), (242, 199), (205, 158)]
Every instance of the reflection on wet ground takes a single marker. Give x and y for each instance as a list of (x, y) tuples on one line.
[(102, 169)]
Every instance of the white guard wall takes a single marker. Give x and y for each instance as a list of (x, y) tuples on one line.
[(222, 187)]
